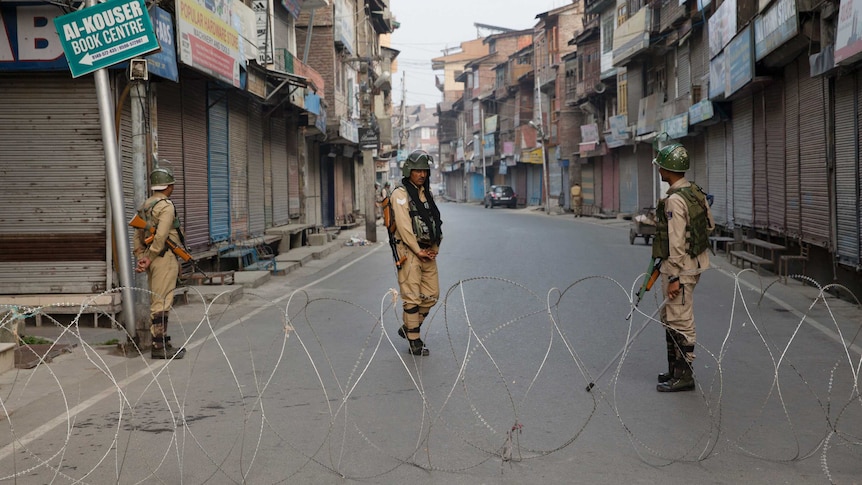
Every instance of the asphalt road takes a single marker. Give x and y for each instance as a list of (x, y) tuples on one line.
[(305, 380)]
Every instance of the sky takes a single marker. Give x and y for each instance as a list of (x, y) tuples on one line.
[(428, 27)]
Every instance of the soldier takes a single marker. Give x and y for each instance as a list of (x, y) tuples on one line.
[(683, 224), (159, 262), (417, 239)]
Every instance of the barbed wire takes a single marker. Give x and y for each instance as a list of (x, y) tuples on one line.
[(290, 401)]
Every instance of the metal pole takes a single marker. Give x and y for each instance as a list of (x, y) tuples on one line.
[(370, 196), (544, 151), (115, 192), (482, 144), (139, 176)]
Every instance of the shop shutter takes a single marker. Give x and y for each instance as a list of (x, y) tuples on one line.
[(620, 183), (743, 171), (256, 194), (717, 172), (126, 135), (169, 131), (683, 64), (194, 95), (588, 186), (239, 142), (293, 171), (760, 191), (773, 109), (218, 163), (280, 209), (791, 103), (696, 147), (52, 188), (847, 124), (814, 182), (648, 179)]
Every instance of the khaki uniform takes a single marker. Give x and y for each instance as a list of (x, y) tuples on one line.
[(678, 314), (159, 212), (417, 279)]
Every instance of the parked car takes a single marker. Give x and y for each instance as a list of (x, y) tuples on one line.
[(501, 195)]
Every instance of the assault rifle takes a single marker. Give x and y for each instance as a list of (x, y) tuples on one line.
[(138, 222), (650, 278)]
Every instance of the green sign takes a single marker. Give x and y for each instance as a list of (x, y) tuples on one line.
[(105, 34)]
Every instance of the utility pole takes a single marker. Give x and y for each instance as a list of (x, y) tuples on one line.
[(541, 130), (482, 144), (115, 193)]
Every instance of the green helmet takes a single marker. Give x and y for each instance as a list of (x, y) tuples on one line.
[(160, 178), (673, 158), (418, 160)]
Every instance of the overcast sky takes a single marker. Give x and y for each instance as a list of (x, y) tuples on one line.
[(428, 27)]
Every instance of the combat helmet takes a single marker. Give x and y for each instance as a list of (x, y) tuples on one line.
[(673, 158), (418, 160), (160, 178)]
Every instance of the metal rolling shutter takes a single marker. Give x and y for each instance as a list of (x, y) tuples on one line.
[(256, 193), (239, 142), (52, 188), (791, 103), (760, 186), (683, 70), (717, 172), (847, 123), (743, 213), (610, 184), (773, 107), (280, 210), (293, 170), (195, 161), (696, 147), (218, 163), (588, 186), (169, 107), (814, 182), (629, 181)]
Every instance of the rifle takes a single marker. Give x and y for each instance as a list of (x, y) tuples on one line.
[(398, 261), (138, 222), (650, 278), (389, 224)]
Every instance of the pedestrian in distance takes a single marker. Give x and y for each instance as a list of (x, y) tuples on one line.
[(683, 224), (155, 257), (575, 192), (417, 237)]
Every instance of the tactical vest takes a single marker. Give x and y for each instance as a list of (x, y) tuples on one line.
[(696, 232), (424, 234)]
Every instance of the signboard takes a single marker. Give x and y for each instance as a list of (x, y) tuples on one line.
[(848, 38), (700, 111), (775, 27), (717, 77), (264, 32), (722, 27), (164, 62), (28, 42), (368, 138), (293, 6), (208, 43), (739, 62), (97, 37), (676, 127), (488, 146)]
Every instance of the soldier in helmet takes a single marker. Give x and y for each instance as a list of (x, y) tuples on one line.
[(158, 261), (683, 225), (417, 238)]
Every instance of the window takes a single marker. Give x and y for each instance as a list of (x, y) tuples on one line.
[(622, 14), (623, 93), (608, 34)]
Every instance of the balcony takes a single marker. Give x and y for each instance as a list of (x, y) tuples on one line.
[(633, 36)]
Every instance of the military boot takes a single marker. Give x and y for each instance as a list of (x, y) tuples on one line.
[(666, 376), (417, 347), (163, 350), (672, 357), (683, 380)]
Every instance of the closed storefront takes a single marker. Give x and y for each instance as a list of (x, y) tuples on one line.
[(239, 145), (773, 109), (791, 150), (759, 181), (168, 130), (256, 193), (848, 120), (218, 164), (696, 147), (743, 211), (194, 143), (610, 184), (813, 182), (53, 210), (716, 166), (588, 187), (293, 171), (629, 181), (278, 143)]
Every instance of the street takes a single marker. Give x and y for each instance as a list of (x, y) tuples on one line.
[(305, 380)]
